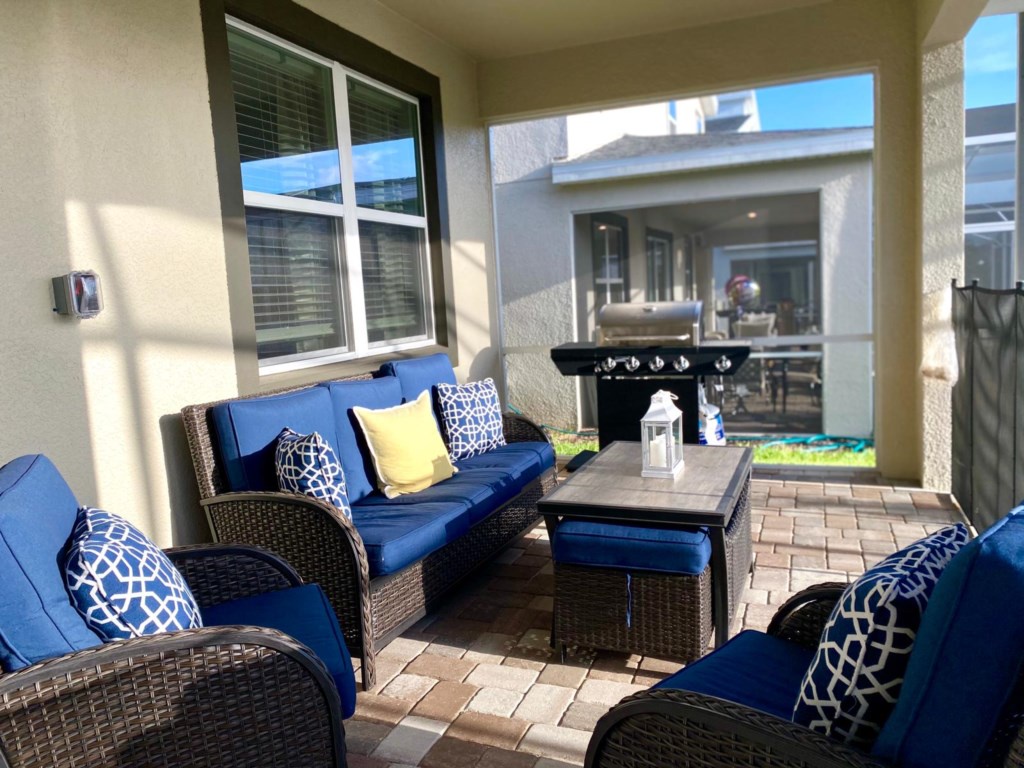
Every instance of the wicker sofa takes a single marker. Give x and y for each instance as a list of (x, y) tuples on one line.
[(960, 703), (375, 596), (232, 696)]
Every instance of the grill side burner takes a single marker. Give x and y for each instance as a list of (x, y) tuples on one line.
[(641, 350)]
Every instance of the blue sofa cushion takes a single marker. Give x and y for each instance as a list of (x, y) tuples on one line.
[(303, 613), (471, 415), (632, 547), (524, 461), (968, 654), (419, 373), (396, 535), (855, 679), (37, 513), (356, 461), (246, 433), (122, 583), (753, 669), (307, 464)]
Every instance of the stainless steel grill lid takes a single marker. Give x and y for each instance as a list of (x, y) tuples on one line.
[(653, 322)]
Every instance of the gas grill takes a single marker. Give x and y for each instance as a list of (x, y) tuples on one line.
[(641, 348)]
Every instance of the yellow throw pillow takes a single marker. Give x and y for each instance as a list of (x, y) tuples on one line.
[(406, 446)]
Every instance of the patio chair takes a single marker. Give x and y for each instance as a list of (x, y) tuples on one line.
[(229, 696), (961, 702)]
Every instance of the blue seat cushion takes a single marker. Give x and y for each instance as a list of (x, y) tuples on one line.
[(754, 669), (352, 450), (396, 535), (967, 656), (524, 461), (245, 432), (419, 373), (37, 513), (303, 613), (632, 547)]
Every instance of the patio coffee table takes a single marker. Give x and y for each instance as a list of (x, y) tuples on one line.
[(653, 612)]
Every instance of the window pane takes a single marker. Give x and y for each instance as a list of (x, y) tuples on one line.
[(286, 126), (294, 262), (385, 150), (988, 258), (394, 283)]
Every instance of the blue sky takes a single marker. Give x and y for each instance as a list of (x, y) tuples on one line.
[(990, 68), (990, 62)]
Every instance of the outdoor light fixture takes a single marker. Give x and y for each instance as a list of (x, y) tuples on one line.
[(77, 294), (752, 215), (662, 437)]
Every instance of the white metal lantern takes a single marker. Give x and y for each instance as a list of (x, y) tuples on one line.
[(662, 430)]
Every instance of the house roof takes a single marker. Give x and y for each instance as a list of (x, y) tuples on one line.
[(725, 124), (631, 156), (986, 121)]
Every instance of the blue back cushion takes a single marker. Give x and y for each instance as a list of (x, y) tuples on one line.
[(245, 432), (968, 653), (356, 461), (37, 513), (303, 613), (420, 373)]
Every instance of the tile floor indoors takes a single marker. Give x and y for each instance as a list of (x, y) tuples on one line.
[(476, 684)]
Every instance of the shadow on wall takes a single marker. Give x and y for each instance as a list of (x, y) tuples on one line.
[(188, 520)]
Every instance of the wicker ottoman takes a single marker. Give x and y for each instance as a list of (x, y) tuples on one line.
[(647, 612)]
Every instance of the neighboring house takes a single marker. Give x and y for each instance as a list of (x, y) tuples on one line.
[(673, 217)]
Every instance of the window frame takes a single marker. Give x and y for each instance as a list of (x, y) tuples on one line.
[(319, 39), (602, 286)]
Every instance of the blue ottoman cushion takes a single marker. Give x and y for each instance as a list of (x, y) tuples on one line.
[(246, 433), (753, 669), (37, 513), (303, 613), (419, 373), (632, 547), (967, 657), (354, 454)]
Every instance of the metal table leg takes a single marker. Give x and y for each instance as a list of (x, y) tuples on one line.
[(719, 585)]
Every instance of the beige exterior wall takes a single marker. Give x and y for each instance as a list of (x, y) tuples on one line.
[(831, 38), (108, 164)]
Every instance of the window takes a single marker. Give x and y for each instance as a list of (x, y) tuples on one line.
[(659, 265), (332, 179), (611, 259)]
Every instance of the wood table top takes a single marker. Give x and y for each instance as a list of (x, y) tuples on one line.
[(610, 486)]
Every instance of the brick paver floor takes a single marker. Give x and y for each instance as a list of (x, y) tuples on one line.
[(476, 684)]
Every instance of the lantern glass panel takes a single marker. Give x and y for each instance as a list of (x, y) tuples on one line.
[(677, 438), (656, 445)]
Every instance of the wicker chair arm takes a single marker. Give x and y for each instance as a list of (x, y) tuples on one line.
[(520, 429), (217, 573), (318, 541), (682, 728), (225, 696), (802, 618)]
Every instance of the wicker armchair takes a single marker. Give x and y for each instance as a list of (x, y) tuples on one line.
[(662, 727), (326, 549), (225, 696)]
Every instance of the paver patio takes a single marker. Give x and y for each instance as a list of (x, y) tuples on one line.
[(476, 683)]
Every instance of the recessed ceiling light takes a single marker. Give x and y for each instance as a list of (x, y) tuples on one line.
[(602, 227), (752, 215)]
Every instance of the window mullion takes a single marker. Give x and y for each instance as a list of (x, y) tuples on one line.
[(353, 266)]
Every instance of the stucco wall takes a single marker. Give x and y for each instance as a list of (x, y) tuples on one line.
[(831, 38), (537, 271), (108, 164)]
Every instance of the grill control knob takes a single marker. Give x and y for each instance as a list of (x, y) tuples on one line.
[(608, 364), (632, 364), (723, 364), (656, 364), (681, 364)]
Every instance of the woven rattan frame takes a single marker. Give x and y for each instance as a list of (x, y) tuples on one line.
[(326, 549), (227, 696), (669, 614)]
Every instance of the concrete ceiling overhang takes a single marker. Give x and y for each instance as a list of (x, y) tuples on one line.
[(496, 29)]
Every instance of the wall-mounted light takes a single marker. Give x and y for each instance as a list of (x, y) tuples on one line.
[(77, 294), (752, 215)]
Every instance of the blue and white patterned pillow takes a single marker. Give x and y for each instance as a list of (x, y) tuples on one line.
[(472, 418), (853, 682), (307, 464), (122, 583)]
